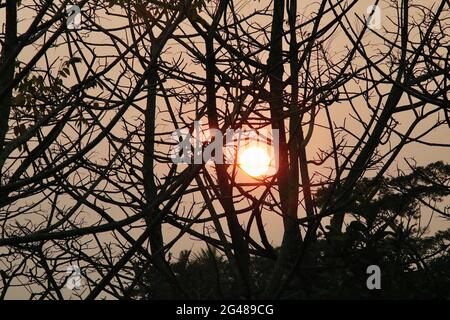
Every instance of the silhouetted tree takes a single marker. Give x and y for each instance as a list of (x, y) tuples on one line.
[(86, 123)]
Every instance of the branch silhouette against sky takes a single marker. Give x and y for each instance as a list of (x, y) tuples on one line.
[(350, 96)]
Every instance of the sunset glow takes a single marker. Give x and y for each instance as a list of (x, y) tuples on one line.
[(255, 161)]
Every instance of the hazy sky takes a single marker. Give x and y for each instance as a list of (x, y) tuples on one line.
[(320, 140)]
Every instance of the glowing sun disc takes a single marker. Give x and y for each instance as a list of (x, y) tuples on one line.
[(255, 161)]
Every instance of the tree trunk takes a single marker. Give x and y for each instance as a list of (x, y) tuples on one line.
[(291, 237), (239, 244), (8, 76)]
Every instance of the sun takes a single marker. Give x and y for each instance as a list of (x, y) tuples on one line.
[(255, 161)]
